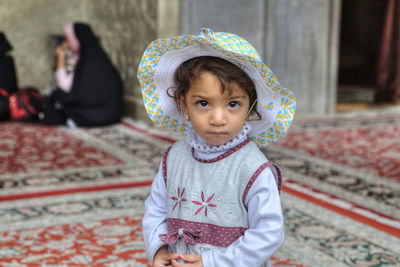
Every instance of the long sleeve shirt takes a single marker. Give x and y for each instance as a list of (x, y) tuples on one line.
[(64, 79)]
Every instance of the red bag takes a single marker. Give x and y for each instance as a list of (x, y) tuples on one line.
[(25, 104)]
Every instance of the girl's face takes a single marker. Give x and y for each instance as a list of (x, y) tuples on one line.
[(216, 117)]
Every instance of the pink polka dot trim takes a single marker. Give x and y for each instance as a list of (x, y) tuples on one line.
[(196, 232), (164, 164)]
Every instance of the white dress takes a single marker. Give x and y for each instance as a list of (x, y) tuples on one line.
[(264, 234)]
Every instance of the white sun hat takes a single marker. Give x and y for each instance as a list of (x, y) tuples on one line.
[(275, 104)]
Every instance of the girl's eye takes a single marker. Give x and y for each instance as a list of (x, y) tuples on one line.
[(202, 103), (233, 104)]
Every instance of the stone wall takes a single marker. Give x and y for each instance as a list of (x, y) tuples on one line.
[(125, 28), (298, 39)]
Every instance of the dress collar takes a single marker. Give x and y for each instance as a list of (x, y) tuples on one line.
[(204, 150)]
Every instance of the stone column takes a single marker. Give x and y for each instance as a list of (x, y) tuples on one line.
[(298, 39), (243, 17), (301, 46), (168, 18)]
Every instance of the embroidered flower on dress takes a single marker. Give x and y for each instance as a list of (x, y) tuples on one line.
[(179, 198), (204, 204)]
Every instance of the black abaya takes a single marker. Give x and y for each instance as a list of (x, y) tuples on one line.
[(8, 78)]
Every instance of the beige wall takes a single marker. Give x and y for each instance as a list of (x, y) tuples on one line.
[(168, 18), (124, 26)]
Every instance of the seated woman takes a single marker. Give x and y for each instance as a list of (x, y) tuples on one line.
[(91, 93)]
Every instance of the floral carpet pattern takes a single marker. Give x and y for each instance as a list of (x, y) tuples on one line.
[(74, 197), (44, 148), (365, 143)]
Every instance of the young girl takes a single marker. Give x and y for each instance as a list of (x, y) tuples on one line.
[(215, 200)]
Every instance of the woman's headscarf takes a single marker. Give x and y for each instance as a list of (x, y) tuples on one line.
[(4, 44), (69, 34)]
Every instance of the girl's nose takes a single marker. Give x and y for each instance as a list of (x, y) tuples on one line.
[(217, 117)]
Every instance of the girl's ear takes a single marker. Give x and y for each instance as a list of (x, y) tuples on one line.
[(249, 115), (182, 103)]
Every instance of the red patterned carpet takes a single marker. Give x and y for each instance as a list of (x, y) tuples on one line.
[(32, 148), (360, 143), (75, 197)]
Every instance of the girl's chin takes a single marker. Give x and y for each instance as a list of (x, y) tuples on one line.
[(217, 141)]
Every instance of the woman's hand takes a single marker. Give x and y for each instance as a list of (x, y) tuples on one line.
[(60, 52), (191, 260), (163, 258), (60, 49)]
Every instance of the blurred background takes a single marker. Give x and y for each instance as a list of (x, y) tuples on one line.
[(326, 51), (75, 196)]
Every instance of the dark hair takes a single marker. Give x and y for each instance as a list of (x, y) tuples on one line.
[(226, 72)]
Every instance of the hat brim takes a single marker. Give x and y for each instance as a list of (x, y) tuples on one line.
[(275, 103)]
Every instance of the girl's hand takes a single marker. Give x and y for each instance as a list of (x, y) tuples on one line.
[(190, 259), (163, 258)]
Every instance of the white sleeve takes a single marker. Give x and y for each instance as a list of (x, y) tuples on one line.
[(266, 230), (64, 79), (154, 221)]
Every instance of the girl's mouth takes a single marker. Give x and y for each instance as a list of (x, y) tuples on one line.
[(217, 133)]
